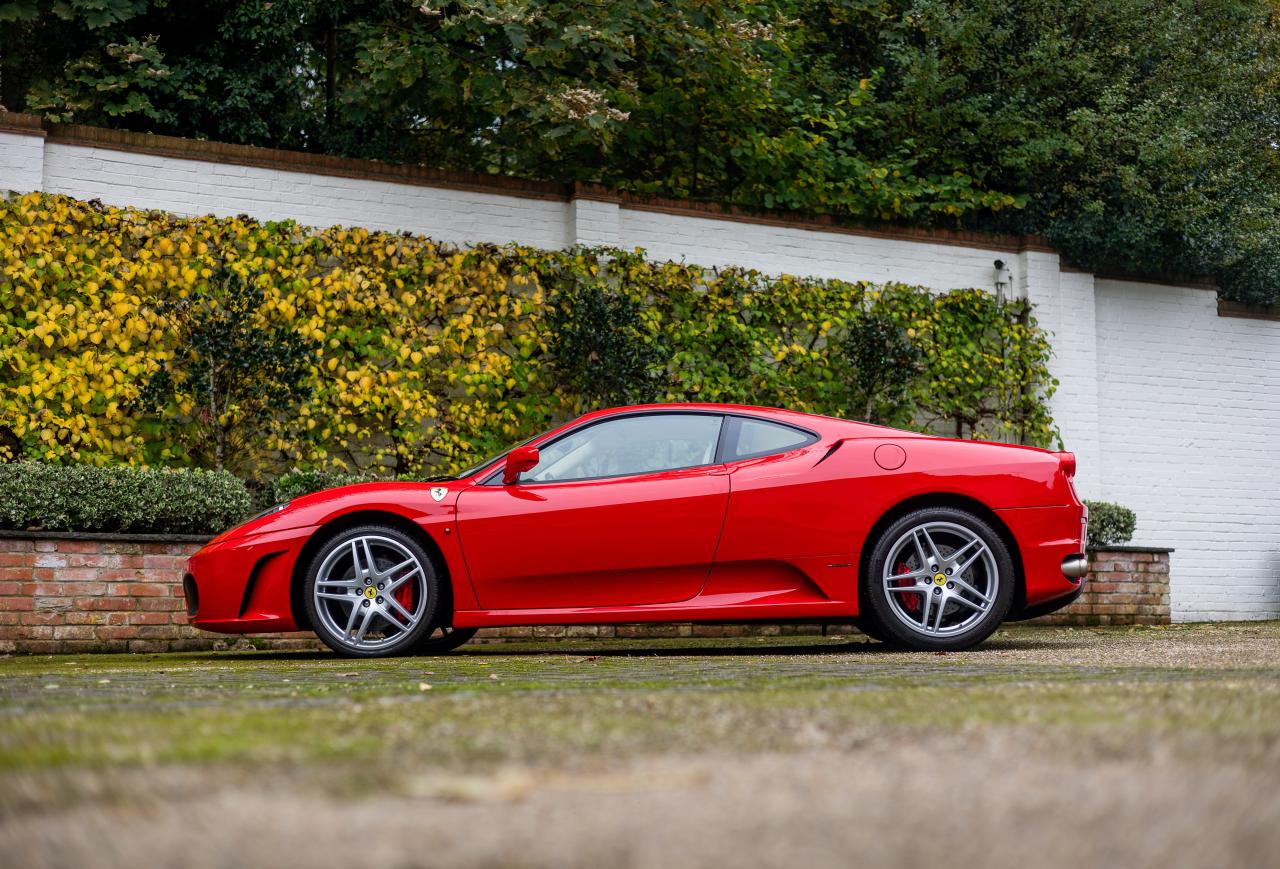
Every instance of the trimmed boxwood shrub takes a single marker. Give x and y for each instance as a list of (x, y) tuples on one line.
[(40, 497), (297, 483), (1110, 524)]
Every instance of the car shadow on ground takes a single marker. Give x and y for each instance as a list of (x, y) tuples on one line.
[(851, 647), (642, 649)]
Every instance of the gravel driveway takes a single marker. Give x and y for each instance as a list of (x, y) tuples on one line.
[(1046, 747)]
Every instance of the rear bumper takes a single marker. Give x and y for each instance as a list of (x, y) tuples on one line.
[(1045, 607), (1052, 545)]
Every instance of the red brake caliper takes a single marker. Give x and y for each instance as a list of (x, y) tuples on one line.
[(404, 596), (910, 601)]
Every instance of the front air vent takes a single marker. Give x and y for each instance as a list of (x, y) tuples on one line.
[(254, 575), (191, 595)]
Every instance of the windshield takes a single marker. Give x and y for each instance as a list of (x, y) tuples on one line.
[(489, 461)]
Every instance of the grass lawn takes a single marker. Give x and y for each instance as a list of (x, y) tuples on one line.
[(1145, 746)]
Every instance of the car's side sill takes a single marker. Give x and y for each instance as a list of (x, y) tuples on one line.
[(705, 611)]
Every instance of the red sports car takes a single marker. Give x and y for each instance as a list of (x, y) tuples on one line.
[(666, 513)]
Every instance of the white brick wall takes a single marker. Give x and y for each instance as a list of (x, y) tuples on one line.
[(1172, 410), (1189, 406), (192, 187), (591, 222), (801, 251), (1064, 303), (21, 161)]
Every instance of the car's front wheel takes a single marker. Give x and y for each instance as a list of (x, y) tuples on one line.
[(938, 579), (371, 592)]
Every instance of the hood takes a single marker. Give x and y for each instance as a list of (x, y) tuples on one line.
[(411, 500)]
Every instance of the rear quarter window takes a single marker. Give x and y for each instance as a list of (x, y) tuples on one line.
[(756, 437)]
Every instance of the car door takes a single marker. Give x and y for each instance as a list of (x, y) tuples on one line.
[(787, 514), (624, 511)]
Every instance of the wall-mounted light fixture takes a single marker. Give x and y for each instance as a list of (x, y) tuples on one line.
[(1003, 280)]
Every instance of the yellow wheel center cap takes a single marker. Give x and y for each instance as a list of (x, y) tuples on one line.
[(370, 592), (939, 578)]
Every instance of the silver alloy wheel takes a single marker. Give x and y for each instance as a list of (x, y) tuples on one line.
[(940, 579), (370, 591)]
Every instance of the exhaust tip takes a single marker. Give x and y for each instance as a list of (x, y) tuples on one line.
[(1075, 566)]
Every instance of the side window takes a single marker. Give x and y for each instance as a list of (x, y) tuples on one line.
[(755, 437), (630, 445)]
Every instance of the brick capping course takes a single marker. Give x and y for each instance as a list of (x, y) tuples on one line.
[(1164, 279), (1245, 311), (105, 536), (27, 125), (349, 167), (67, 592)]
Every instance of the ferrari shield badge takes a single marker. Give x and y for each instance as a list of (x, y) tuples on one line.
[(438, 492)]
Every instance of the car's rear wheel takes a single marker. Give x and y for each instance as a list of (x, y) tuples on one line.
[(444, 639), (371, 592), (939, 578)]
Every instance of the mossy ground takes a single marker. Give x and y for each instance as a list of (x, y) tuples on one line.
[(134, 730)]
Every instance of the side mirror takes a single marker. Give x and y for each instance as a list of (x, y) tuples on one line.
[(519, 460)]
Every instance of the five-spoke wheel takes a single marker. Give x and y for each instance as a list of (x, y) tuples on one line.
[(371, 591), (938, 578)]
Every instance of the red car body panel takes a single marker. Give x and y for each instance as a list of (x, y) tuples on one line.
[(578, 544), (773, 538)]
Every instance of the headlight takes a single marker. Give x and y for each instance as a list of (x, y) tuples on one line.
[(268, 512), (239, 531)]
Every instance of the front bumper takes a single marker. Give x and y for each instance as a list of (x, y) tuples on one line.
[(242, 584)]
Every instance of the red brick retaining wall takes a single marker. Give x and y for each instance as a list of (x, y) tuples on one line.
[(1127, 585), (85, 593), (82, 593)]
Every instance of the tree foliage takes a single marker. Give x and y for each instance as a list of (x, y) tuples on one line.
[(1141, 134), (597, 338), (1138, 135), (883, 362), (138, 337), (234, 377)]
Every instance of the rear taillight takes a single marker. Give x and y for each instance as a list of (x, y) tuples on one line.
[(1067, 462)]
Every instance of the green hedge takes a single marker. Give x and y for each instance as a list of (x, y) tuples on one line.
[(144, 338), (294, 484), (40, 497), (1110, 524)]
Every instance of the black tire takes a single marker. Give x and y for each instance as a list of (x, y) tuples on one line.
[(387, 539), (969, 625), (869, 627), (443, 640)]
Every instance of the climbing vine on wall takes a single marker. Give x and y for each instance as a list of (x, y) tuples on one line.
[(397, 352)]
